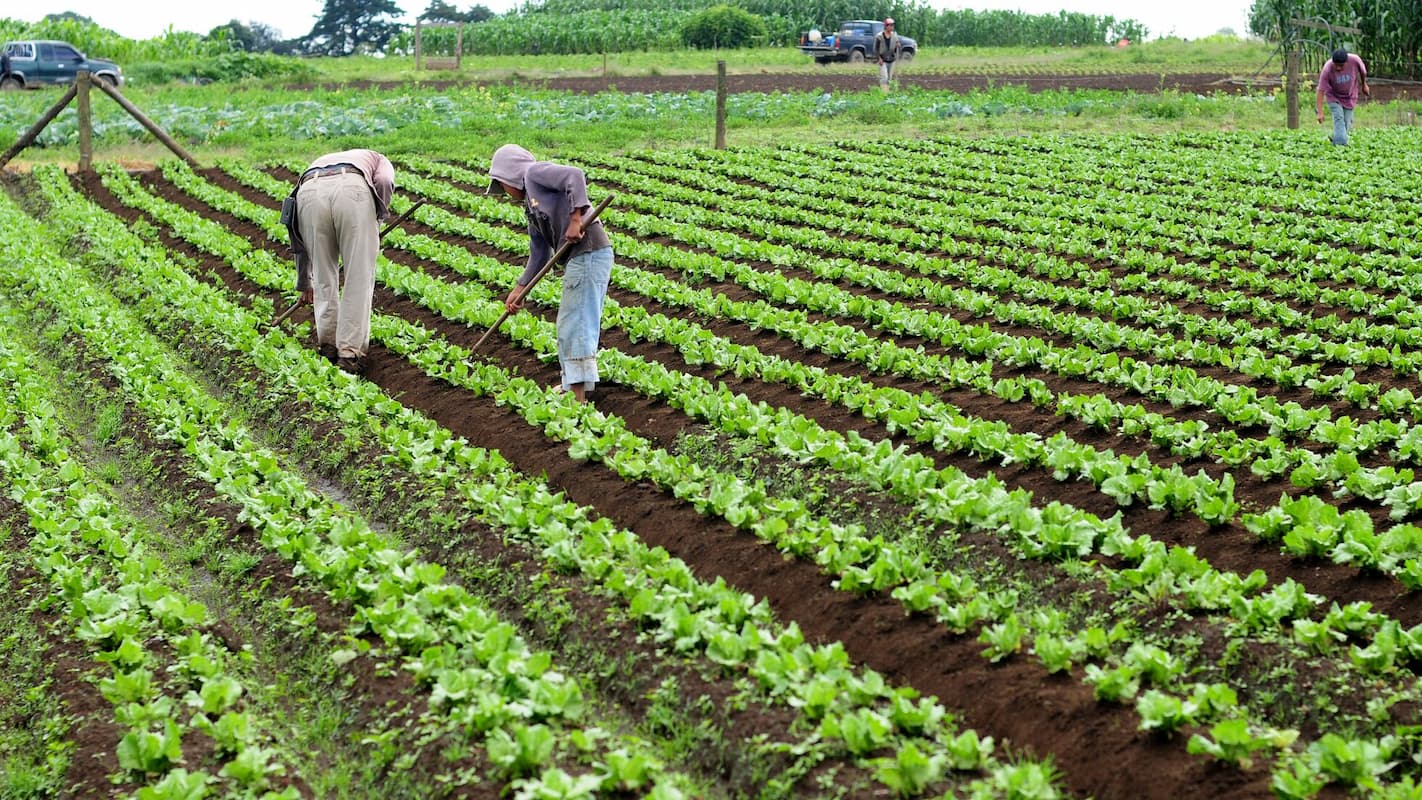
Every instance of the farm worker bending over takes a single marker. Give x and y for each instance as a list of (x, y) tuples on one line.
[(1343, 76), (887, 48), (554, 198), (340, 200)]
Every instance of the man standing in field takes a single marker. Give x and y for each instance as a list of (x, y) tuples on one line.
[(554, 198), (340, 200), (1339, 82), (887, 48)]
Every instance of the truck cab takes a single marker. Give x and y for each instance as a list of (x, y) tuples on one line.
[(853, 41), (31, 63)]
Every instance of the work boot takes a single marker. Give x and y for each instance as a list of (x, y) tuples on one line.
[(355, 365), (328, 352)]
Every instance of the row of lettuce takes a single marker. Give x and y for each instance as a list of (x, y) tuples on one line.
[(959, 221), (477, 669), (1304, 441), (1119, 663), (1116, 664), (1307, 525)]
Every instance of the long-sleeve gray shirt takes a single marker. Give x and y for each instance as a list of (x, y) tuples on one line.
[(551, 193), (888, 48)]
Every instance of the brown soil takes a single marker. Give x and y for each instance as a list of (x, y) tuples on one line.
[(842, 81), (732, 735), (1096, 745)]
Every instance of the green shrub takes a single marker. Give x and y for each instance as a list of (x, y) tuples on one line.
[(1167, 105), (722, 26), (228, 67)]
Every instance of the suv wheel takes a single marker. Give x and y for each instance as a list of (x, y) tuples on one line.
[(10, 84)]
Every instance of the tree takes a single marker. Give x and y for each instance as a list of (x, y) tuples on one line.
[(440, 11), (254, 37), (348, 25), (69, 16), (722, 26), (1391, 39)]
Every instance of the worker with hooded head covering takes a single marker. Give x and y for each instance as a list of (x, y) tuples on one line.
[(555, 198)]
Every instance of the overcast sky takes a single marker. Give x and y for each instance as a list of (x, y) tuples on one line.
[(145, 19)]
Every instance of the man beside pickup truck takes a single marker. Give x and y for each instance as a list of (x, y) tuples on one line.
[(887, 48)]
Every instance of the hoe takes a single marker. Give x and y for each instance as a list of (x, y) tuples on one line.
[(280, 318), (556, 257)]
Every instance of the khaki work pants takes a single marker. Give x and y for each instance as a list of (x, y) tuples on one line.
[(338, 224), (886, 74)]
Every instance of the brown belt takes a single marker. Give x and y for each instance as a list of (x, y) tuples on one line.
[(334, 169)]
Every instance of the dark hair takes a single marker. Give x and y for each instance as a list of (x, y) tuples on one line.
[(1340, 56)]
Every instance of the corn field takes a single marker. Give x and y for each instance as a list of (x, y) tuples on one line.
[(1391, 29), (563, 26)]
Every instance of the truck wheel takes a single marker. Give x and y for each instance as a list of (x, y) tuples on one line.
[(109, 79), (906, 56), (856, 56), (10, 83)]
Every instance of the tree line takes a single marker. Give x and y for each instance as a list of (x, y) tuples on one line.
[(346, 27), (1390, 40)]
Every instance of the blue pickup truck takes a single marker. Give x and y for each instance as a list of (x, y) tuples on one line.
[(32, 63), (853, 42)]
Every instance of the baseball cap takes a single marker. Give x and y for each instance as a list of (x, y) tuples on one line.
[(889, 21), (1340, 56)]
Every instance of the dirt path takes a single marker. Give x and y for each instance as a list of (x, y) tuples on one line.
[(838, 80)]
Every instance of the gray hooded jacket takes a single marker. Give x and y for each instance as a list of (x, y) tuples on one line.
[(550, 193)]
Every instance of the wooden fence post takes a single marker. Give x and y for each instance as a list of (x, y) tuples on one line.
[(34, 131), (721, 105), (82, 83), (1291, 84), (147, 123), (80, 88)]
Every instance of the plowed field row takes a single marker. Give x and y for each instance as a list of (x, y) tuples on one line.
[(955, 550)]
